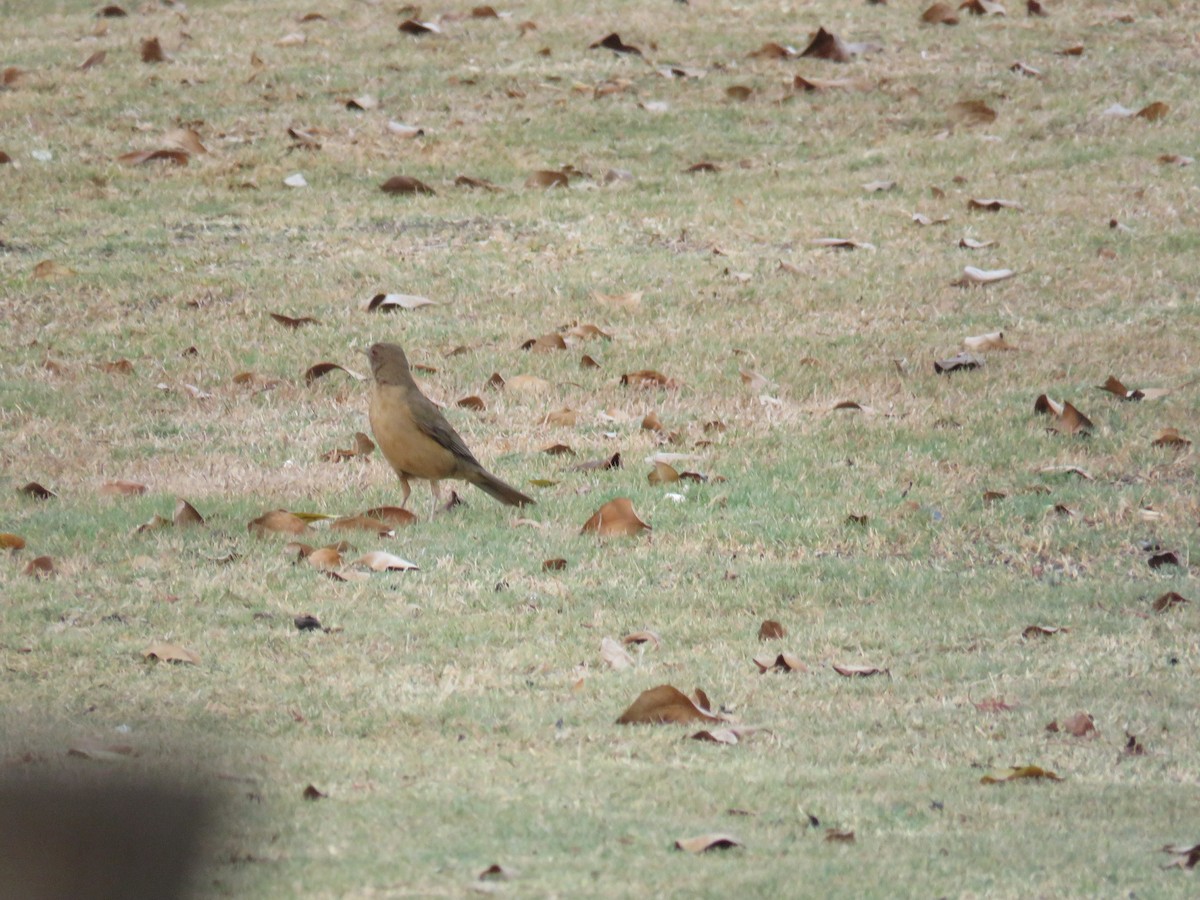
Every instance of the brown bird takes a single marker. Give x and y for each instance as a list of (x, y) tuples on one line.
[(415, 437)]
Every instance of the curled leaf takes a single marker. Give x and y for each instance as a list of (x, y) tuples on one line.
[(665, 705), (615, 518)]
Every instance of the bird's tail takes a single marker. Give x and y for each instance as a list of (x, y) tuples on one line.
[(505, 493)]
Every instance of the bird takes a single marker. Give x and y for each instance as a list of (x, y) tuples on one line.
[(415, 437)]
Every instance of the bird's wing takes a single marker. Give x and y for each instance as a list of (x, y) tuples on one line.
[(434, 424)]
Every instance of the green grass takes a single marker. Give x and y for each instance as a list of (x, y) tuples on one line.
[(461, 715)]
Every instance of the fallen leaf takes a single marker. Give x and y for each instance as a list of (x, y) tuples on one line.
[(665, 704), (614, 43), (277, 521), (971, 112), (468, 181), (991, 204), (167, 652), (558, 564), (598, 465), (111, 11), (324, 558), (995, 704), (642, 637), (1166, 558), (496, 872), (971, 244), (1073, 50), (185, 514), (1037, 631), (154, 524), (296, 180), (362, 102), (545, 343), (705, 842), (379, 561), (473, 402), (141, 157), (663, 473), (37, 491), (311, 793), (983, 7), (940, 14), (386, 302), (94, 60), (841, 243), (771, 630), (1174, 159), (1079, 725), (1188, 857), (1153, 112), (1065, 417), (546, 179), (1168, 601), (363, 523), (320, 370), (39, 566), (783, 662), (924, 220), (125, 488), (1170, 437), (615, 655), (1018, 773), (1025, 69), (972, 276), (1133, 747), (647, 378), (101, 752), (615, 518), (859, 671), (306, 622), (417, 29), (961, 362), (289, 322), (726, 736), (292, 39), (405, 184), (392, 515), (187, 140), (772, 50), (991, 341), (839, 836), (152, 51), (10, 541), (1034, 8), (825, 45)]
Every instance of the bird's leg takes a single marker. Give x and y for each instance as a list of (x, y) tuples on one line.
[(404, 486), (435, 489)]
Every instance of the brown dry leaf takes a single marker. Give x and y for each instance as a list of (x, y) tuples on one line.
[(972, 276), (614, 43), (940, 14), (783, 662), (187, 140), (703, 166), (11, 76), (924, 220), (1174, 159), (1034, 8), (615, 654), (875, 187), (992, 204), (971, 244), (558, 450), (1037, 631), (473, 402), (728, 736), (1065, 417), (141, 157), (468, 181), (705, 842), (971, 112), (154, 524), (1166, 558), (363, 523), (363, 102), (960, 362), (545, 343), (663, 473), (841, 243), (825, 45), (94, 60), (1170, 437), (277, 521), (321, 369), (312, 793), (852, 405), (379, 561), (839, 836), (1114, 386), (772, 50), (1024, 69), (615, 518), (101, 752), (37, 491), (185, 514), (112, 11), (1153, 112), (558, 564), (117, 367), (496, 872), (546, 179), (167, 652), (859, 671), (111, 488), (1079, 725), (405, 184), (811, 85), (739, 92), (1168, 601), (1017, 773), (392, 515), (484, 12), (152, 51), (651, 422), (39, 566), (983, 8), (642, 637), (666, 704), (292, 39), (993, 496), (289, 322), (993, 340), (648, 378), (1133, 747), (630, 300), (388, 302), (1188, 857), (417, 29), (771, 630), (995, 704), (325, 558), (10, 541), (1073, 50)]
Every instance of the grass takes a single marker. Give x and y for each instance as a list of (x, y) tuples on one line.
[(461, 715)]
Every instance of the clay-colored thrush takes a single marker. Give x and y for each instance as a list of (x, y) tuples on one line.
[(415, 437)]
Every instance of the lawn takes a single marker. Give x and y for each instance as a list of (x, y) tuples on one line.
[(1011, 576)]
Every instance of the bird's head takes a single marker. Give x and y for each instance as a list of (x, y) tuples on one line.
[(389, 365)]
